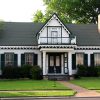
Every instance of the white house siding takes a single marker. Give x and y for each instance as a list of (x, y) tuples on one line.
[(53, 22), (43, 34), (21, 51)]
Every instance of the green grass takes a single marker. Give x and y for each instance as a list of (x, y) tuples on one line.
[(30, 85), (38, 93), (88, 82)]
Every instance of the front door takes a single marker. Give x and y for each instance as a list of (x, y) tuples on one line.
[(54, 63)]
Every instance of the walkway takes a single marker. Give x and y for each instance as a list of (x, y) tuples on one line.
[(81, 92)]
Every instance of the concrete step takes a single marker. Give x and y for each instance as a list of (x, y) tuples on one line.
[(58, 77)]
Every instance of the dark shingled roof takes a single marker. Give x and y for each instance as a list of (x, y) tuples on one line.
[(24, 34), (19, 34), (86, 34)]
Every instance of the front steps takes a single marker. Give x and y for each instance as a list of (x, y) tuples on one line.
[(56, 77)]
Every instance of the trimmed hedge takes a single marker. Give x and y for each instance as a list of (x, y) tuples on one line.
[(26, 71), (11, 72), (90, 71), (36, 73)]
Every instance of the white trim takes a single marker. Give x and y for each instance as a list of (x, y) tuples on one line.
[(70, 63), (19, 59), (57, 46), (44, 63), (89, 60), (87, 47), (56, 49), (18, 47)]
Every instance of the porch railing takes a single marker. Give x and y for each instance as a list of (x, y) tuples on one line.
[(57, 40)]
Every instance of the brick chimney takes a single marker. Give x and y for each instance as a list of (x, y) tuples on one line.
[(99, 23)]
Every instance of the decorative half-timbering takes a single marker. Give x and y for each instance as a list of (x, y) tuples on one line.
[(54, 32)]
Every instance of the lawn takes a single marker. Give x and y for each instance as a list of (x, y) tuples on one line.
[(92, 83), (30, 85), (20, 88), (37, 93)]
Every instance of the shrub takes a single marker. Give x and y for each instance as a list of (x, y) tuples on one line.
[(36, 73), (98, 70), (92, 71), (86, 71), (81, 70), (25, 71), (11, 72)]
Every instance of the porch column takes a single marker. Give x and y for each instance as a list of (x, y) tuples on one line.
[(70, 63), (19, 59), (44, 63), (88, 59)]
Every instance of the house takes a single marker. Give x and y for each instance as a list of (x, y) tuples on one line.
[(55, 46)]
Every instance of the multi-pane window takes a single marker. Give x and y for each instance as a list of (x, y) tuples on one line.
[(97, 59), (29, 58), (54, 35), (79, 59), (9, 59)]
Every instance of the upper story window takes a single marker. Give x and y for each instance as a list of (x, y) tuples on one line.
[(9, 59), (54, 35), (54, 31)]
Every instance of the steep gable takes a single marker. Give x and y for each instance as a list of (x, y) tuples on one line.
[(54, 31), (54, 21)]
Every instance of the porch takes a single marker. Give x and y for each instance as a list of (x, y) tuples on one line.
[(57, 63)]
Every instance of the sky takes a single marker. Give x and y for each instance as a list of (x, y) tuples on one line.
[(19, 10)]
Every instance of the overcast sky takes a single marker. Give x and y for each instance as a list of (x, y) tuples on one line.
[(19, 10)]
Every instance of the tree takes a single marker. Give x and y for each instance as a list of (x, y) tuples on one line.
[(39, 17), (79, 11)]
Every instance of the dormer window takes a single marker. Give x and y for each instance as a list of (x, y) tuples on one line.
[(55, 30), (54, 35)]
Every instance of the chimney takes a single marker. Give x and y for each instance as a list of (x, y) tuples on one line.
[(99, 23)]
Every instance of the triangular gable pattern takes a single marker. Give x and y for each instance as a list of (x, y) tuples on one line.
[(54, 16)]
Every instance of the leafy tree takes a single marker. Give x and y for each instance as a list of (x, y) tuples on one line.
[(39, 17), (79, 11)]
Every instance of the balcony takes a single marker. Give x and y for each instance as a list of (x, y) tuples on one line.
[(57, 41)]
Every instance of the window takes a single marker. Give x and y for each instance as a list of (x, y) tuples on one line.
[(97, 59), (29, 58), (57, 60), (51, 60), (54, 34), (9, 59), (79, 59)]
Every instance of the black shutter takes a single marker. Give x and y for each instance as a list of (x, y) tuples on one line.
[(92, 60), (73, 61), (15, 60), (85, 59), (22, 59), (35, 59), (2, 60)]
